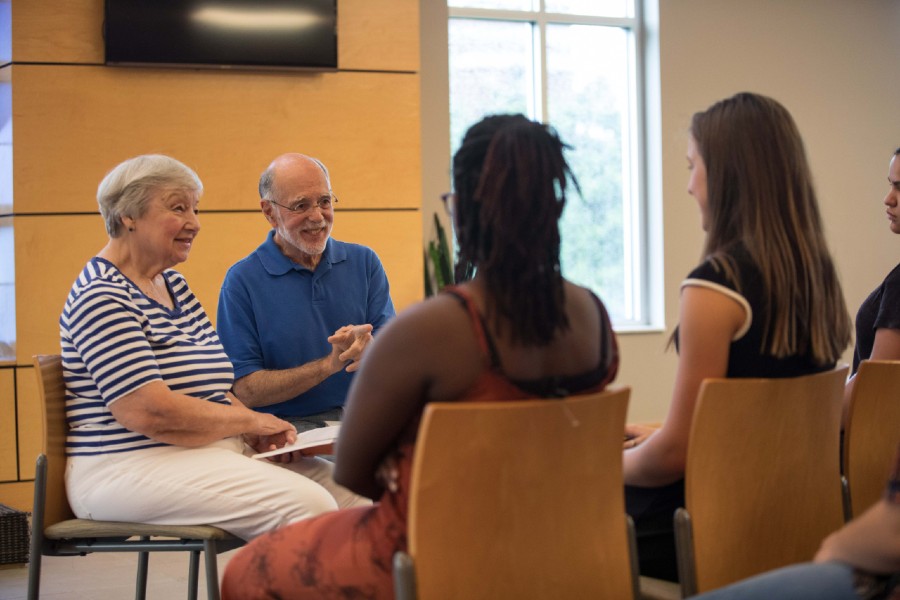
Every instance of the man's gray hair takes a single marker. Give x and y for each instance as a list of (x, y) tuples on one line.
[(127, 189), (267, 179)]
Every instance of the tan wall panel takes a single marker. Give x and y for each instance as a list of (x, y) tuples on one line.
[(394, 237), (18, 495), (224, 239), (390, 29), (50, 253), (73, 124), (372, 34), (68, 31), (31, 430), (52, 250), (8, 468)]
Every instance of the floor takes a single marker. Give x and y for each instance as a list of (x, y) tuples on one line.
[(106, 576)]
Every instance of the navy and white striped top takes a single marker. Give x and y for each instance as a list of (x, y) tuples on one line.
[(115, 340)]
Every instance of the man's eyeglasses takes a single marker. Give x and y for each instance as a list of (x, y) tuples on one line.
[(323, 204)]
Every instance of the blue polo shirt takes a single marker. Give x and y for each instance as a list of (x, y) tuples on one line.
[(275, 314)]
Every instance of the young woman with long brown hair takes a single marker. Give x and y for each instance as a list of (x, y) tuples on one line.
[(764, 302)]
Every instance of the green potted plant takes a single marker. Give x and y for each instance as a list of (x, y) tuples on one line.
[(438, 261)]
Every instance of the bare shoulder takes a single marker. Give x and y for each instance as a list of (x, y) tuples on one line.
[(431, 343), (580, 305), (425, 315), (427, 328), (710, 309)]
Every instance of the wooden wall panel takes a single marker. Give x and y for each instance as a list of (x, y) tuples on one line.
[(31, 430), (390, 29), (18, 495), (224, 239), (74, 124), (57, 31), (394, 237), (380, 35), (8, 467), (52, 250), (50, 253)]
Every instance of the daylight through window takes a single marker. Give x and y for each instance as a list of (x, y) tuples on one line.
[(575, 64)]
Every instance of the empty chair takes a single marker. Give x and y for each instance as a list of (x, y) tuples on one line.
[(56, 531), (519, 500), (872, 432)]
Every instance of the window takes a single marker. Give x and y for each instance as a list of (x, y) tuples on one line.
[(577, 65), (7, 246)]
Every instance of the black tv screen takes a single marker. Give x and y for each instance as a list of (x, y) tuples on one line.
[(222, 33)]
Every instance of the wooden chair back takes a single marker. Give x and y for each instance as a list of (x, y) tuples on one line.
[(872, 432), (52, 398), (762, 480), (521, 499)]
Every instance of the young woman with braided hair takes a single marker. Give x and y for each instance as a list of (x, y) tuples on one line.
[(503, 334)]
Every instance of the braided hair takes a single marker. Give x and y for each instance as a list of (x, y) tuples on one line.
[(510, 178)]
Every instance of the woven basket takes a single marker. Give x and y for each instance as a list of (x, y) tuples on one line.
[(14, 536)]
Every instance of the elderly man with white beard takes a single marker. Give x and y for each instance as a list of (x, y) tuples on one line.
[(296, 314)]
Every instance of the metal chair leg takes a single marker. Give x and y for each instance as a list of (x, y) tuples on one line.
[(211, 556), (684, 541), (404, 577), (194, 567), (37, 528), (140, 592), (846, 499), (633, 557)]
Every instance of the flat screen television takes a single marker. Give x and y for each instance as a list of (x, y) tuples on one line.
[(222, 33)]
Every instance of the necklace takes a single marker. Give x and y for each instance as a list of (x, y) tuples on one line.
[(152, 291)]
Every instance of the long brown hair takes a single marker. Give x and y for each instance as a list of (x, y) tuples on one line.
[(760, 195), (510, 178)]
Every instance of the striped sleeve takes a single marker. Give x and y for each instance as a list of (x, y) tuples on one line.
[(116, 340), (107, 334)]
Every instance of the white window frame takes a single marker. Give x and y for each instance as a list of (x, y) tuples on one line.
[(642, 267)]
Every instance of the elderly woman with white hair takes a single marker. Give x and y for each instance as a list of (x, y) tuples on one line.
[(155, 434)]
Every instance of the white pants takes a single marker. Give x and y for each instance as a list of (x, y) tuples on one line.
[(215, 484)]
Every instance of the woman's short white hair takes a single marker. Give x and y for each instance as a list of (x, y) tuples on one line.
[(126, 190)]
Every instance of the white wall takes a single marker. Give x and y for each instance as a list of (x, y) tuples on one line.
[(834, 65)]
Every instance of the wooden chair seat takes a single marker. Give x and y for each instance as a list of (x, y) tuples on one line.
[(87, 528)]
